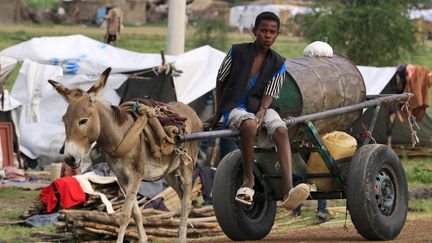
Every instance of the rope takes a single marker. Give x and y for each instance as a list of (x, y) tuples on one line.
[(183, 156), (167, 69), (411, 122), (366, 134), (292, 120)]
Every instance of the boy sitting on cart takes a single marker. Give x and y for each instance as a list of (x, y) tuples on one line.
[(250, 76)]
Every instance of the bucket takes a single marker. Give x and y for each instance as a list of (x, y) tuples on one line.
[(315, 84), (340, 145), (55, 169)]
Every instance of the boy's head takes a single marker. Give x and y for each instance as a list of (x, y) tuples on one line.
[(267, 16), (266, 29)]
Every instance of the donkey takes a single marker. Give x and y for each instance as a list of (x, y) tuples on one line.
[(88, 120)]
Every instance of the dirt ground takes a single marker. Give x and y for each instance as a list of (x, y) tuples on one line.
[(418, 228), (415, 230)]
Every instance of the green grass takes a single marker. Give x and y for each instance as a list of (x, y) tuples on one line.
[(18, 201), (420, 206), (14, 202), (42, 4), (15, 233), (418, 170), (12, 194)]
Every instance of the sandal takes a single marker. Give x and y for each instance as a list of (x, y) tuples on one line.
[(245, 195), (296, 196)]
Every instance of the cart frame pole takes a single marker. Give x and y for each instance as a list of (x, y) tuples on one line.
[(378, 100)]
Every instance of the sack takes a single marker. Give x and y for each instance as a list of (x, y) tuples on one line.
[(318, 49), (340, 145)]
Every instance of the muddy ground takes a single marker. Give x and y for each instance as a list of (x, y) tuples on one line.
[(415, 230), (418, 227)]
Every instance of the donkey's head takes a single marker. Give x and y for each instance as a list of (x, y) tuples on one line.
[(81, 120)]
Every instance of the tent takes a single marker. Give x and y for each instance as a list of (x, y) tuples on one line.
[(380, 80), (77, 61), (8, 113)]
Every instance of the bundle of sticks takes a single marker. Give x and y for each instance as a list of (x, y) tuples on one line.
[(94, 225), (90, 221)]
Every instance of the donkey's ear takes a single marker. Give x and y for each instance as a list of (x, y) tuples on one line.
[(61, 89), (97, 88)]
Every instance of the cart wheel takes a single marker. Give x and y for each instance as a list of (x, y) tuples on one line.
[(377, 192), (238, 221)]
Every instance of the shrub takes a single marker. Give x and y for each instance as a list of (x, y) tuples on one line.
[(369, 32), (211, 32)]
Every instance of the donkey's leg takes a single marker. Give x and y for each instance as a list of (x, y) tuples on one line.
[(131, 190), (186, 185), (136, 213), (175, 183)]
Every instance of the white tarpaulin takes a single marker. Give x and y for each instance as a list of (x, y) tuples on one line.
[(376, 78), (426, 14), (77, 61), (7, 65), (78, 54), (200, 67)]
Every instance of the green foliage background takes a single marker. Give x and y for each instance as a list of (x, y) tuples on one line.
[(369, 32), (41, 4), (211, 32)]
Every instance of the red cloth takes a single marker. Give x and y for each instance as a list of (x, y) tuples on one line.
[(418, 83), (70, 192), (48, 198)]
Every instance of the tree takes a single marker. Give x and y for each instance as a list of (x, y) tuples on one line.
[(211, 32), (369, 32)]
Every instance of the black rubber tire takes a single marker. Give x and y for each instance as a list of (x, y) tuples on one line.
[(238, 221), (376, 169)]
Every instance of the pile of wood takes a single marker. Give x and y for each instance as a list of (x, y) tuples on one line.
[(90, 221), (94, 225)]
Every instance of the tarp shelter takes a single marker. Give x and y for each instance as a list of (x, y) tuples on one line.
[(8, 114), (379, 80), (77, 61)]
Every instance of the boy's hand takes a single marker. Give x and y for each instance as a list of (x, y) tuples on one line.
[(260, 116), (213, 120)]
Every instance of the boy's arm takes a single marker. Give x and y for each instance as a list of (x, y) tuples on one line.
[(271, 91), (274, 86), (222, 75)]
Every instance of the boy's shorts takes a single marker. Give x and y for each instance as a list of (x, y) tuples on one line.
[(272, 120)]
